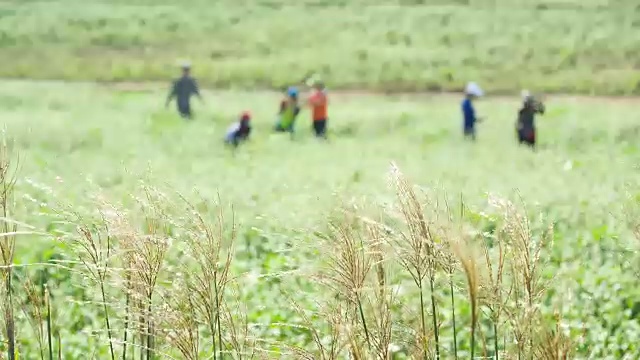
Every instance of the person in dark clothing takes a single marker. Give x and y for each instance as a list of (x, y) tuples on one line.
[(525, 126), (472, 91), (240, 130), (182, 89)]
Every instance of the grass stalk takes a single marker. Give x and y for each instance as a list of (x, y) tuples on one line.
[(9, 324), (218, 325), (495, 340), (469, 265), (104, 300), (7, 250), (149, 334), (178, 321), (348, 270), (34, 310), (434, 317), (364, 321), (107, 321), (358, 292), (473, 331), (453, 315), (212, 329), (423, 324), (143, 338), (127, 305), (94, 254), (47, 298), (419, 254), (211, 255)]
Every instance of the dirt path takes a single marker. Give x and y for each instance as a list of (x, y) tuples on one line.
[(346, 94)]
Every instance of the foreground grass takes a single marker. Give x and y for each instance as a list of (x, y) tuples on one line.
[(85, 150), (553, 46)]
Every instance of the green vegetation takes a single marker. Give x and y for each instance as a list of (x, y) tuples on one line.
[(586, 46), (91, 159), (129, 233)]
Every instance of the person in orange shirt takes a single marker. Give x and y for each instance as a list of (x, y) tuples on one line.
[(318, 103)]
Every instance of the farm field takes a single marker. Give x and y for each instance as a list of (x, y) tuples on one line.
[(76, 141), (550, 45), (130, 233)]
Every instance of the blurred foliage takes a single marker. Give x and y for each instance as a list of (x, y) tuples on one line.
[(384, 45)]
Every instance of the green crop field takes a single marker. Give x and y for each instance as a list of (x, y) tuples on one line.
[(129, 233), (554, 45), (78, 141)]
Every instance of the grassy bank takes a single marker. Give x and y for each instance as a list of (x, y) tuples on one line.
[(552, 46)]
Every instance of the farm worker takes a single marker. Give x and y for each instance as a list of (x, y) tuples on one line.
[(289, 110), (239, 130), (472, 91), (182, 89), (318, 103), (525, 126)]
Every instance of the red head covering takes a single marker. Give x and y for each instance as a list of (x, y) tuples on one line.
[(246, 115)]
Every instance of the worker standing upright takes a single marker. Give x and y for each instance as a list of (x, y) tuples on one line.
[(525, 125), (288, 111), (318, 103), (183, 89), (472, 92)]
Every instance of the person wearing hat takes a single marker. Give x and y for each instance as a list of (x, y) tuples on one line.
[(240, 130), (182, 89), (525, 125), (318, 103), (472, 92), (289, 110)]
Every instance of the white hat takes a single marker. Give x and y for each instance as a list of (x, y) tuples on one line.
[(473, 89), (525, 94)]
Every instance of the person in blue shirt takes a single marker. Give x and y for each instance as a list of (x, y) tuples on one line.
[(472, 91)]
